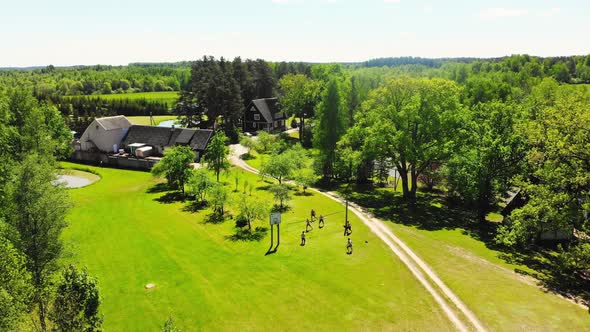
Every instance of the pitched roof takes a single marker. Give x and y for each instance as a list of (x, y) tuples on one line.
[(197, 139), (185, 136), (269, 109), (201, 139), (113, 122), (156, 136)]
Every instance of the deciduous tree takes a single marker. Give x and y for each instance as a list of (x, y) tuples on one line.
[(175, 166), (77, 301), (15, 287), (36, 214), (217, 152)]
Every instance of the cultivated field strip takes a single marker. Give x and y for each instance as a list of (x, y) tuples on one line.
[(442, 294)]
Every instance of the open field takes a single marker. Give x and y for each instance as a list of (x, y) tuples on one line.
[(130, 233), (168, 97), (501, 298), (145, 120), (484, 278)]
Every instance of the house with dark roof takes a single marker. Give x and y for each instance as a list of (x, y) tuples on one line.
[(162, 138), (104, 134), (264, 114)]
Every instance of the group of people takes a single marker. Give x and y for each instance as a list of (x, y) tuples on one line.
[(321, 224)]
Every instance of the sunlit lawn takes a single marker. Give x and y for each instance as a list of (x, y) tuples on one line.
[(130, 233)]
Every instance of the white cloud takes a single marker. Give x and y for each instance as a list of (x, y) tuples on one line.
[(498, 13), (427, 8), (280, 1), (392, 1)]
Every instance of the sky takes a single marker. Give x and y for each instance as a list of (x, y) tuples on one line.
[(117, 32)]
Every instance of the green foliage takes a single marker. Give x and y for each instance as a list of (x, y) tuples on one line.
[(251, 209), (170, 326), (305, 177), (281, 194), (36, 216), (491, 156), (217, 152), (558, 183), (329, 127), (77, 301), (265, 142), (281, 165), (175, 166), (412, 122), (575, 259), (199, 183), (15, 287), (248, 143), (218, 197)]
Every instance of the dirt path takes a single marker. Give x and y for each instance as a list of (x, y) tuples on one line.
[(444, 296)]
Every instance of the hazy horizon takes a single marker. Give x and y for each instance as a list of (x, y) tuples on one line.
[(65, 33)]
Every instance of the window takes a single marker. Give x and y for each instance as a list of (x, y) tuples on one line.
[(252, 109), (256, 117)]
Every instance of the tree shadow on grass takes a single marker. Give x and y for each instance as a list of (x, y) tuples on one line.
[(247, 156), (216, 218), (194, 206), (282, 209), (432, 211), (265, 187), (242, 234), (171, 197), (304, 194), (158, 188)]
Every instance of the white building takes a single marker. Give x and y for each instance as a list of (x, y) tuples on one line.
[(105, 134)]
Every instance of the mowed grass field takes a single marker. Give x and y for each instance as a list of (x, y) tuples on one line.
[(145, 120), (129, 234), (501, 298), (168, 97)]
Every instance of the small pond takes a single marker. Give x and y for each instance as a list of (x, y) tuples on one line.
[(75, 178), (169, 123)]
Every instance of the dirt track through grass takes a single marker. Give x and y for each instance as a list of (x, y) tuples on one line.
[(421, 271)]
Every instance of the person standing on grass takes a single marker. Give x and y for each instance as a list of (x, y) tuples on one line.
[(308, 227), (349, 247), (321, 222), (302, 238), (347, 228), (312, 215)]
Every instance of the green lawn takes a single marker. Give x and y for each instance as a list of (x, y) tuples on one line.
[(502, 299), (128, 235), (169, 97), (487, 283), (145, 120)]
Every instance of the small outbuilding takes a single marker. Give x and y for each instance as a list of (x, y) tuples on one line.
[(105, 134), (264, 114)]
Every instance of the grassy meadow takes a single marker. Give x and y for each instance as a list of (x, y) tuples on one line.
[(129, 232), (168, 97), (145, 120), (496, 286)]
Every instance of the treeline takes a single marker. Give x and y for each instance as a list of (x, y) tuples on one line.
[(79, 112), (91, 80), (36, 291), (401, 61), (476, 136), (219, 90), (570, 69)]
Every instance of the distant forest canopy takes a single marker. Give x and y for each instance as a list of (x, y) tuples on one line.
[(64, 86)]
